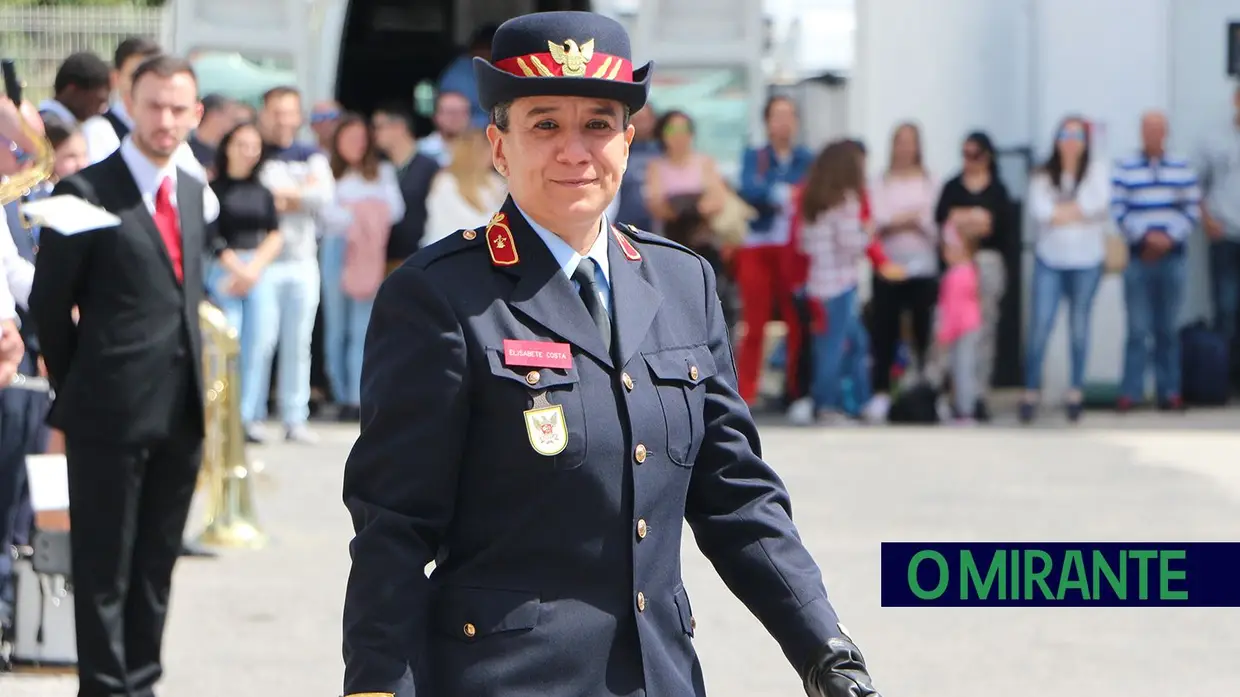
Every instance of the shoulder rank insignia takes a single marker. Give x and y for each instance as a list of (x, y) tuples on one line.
[(630, 252), (500, 242)]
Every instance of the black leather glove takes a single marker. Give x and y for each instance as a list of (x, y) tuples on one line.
[(839, 671)]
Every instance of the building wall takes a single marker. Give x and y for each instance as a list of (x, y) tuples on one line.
[(1015, 68)]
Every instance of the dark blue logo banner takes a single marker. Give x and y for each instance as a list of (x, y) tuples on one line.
[(1064, 574)]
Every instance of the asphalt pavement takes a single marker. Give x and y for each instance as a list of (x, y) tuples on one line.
[(267, 623)]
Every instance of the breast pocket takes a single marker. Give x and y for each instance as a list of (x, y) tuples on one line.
[(550, 405), (679, 375)]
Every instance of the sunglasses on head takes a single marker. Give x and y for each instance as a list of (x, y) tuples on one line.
[(324, 116), (1076, 135)]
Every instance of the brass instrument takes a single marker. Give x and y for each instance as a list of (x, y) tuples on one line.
[(227, 474), (13, 188)]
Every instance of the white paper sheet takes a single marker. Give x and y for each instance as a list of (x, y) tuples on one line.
[(69, 215), (48, 478)]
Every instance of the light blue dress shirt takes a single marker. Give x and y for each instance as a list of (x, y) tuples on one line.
[(568, 258)]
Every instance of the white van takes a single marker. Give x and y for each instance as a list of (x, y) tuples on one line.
[(364, 52)]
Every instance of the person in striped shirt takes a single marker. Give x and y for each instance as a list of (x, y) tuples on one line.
[(1156, 204)]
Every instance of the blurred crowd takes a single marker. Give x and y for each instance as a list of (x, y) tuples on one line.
[(307, 231)]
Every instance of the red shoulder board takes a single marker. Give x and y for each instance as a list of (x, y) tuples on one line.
[(630, 252), (500, 241)]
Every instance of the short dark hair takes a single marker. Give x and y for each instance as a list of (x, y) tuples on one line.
[(501, 116), (134, 46), (397, 110), (58, 130), (215, 102), (280, 91), (776, 99), (165, 66), (83, 70)]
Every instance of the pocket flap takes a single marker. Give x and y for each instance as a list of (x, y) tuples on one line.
[(534, 378), (687, 623), (472, 613), (691, 365)]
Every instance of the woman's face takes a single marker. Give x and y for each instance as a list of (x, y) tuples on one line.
[(678, 135), (243, 152), (904, 147), (70, 156), (1071, 140), (976, 159), (352, 143)]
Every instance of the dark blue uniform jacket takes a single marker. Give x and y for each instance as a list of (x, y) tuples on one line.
[(557, 575)]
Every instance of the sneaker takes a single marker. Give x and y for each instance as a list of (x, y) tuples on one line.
[(1074, 410), (1172, 403), (1028, 410), (255, 434), (801, 412), (876, 409), (981, 411), (301, 433)]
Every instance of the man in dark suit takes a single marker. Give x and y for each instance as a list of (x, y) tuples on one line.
[(545, 400), (128, 378)]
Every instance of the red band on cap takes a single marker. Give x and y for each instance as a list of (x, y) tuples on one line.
[(600, 66)]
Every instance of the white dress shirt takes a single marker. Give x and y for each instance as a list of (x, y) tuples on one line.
[(101, 141), (18, 274), (59, 110), (568, 258), (148, 176)]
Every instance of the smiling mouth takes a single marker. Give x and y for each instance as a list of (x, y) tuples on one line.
[(575, 182)]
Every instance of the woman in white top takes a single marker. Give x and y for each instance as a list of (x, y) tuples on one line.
[(354, 253), (1069, 200), (467, 192)]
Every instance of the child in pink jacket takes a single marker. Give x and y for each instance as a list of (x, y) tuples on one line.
[(959, 322)]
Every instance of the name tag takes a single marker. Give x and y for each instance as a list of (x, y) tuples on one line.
[(537, 354)]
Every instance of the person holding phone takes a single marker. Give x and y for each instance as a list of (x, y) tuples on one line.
[(1157, 204)]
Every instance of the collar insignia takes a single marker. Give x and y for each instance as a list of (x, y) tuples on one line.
[(630, 252), (500, 242)]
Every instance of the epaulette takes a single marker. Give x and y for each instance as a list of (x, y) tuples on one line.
[(645, 237), (458, 241)]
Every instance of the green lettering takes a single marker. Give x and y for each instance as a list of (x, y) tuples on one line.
[(1165, 574), (1039, 576), (944, 574), (1143, 556), (1073, 562), (1102, 567), (1014, 565), (970, 578)]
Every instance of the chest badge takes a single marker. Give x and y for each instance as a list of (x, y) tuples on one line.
[(545, 425)]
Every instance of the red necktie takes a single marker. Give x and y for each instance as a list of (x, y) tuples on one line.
[(169, 226)]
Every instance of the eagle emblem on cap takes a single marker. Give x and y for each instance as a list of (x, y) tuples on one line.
[(571, 57)]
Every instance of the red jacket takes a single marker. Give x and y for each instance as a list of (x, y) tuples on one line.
[(875, 250)]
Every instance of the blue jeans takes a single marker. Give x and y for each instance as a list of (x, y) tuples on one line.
[(296, 284), (1225, 286), (842, 351), (345, 320), (1050, 287), (256, 317), (1153, 293)]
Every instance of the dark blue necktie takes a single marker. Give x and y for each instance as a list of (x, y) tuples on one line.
[(588, 289)]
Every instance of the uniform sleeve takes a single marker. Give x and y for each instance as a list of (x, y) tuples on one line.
[(741, 516), (400, 479)]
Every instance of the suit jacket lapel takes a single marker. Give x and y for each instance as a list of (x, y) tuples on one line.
[(635, 302), (544, 294), (131, 198)]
